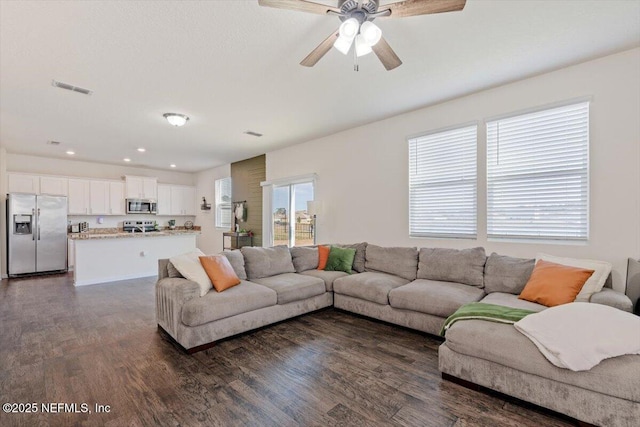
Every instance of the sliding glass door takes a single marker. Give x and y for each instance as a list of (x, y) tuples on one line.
[(292, 225)]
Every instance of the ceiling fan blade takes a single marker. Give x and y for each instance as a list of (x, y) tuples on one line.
[(320, 51), (299, 5), (406, 8), (386, 55)]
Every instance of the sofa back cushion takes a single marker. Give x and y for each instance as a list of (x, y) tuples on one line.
[(304, 258), (452, 265), (399, 261), (237, 262), (507, 274), (360, 257), (266, 262)]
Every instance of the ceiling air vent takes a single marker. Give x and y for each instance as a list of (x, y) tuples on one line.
[(252, 133), (53, 142), (72, 88)]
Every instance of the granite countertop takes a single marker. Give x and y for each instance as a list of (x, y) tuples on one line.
[(118, 233)]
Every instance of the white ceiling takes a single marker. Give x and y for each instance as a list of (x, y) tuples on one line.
[(232, 66)]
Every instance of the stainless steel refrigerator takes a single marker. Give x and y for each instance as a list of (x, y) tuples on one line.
[(37, 234)]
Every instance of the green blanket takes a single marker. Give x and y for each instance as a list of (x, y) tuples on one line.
[(483, 311)]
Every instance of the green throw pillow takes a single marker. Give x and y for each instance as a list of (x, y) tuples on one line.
[(340, 259)]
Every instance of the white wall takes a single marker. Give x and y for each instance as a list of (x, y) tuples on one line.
[(210, 240), (51, 166), (3, 215), (363, 175)]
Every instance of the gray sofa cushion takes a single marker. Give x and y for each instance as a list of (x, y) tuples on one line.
[(265, 262), (327, 276), (304, 258), (236, 259), (503, 344), (293, 287), (359, 259), (401, 262), (510, 300), (239, 299), (370, 286), (452, 265), (507, 274), (433, 297)]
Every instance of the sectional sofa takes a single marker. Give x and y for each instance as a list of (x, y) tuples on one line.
[(414, 288)]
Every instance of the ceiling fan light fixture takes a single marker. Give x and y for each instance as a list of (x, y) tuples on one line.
[(370, 33), (362, 47), (176, 119)]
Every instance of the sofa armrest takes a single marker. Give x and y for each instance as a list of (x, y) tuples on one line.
[(171, 295), (612, 298)]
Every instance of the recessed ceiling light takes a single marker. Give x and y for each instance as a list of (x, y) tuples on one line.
[(126, 159), (142, 150), (71, 153), (172, 166)]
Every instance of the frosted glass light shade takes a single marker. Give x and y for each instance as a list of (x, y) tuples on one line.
[(349, 28), (371, 33), (176, 119), (362, 47), (343, 44)]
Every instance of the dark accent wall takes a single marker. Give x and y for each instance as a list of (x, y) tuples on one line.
[(246, 177)]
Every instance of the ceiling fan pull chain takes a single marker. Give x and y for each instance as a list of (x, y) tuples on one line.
[(355, 61)]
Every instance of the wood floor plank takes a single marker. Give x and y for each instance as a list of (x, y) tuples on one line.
[(100, 344)]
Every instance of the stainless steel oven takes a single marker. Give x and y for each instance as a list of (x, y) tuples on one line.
[(141, 206)]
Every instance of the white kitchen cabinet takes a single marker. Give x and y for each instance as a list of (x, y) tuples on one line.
[(54, 186), (164, 200), (79, 197), (99, 199), (116, 198), (139, 187), (189, 200), (176, 200), (21, 183)]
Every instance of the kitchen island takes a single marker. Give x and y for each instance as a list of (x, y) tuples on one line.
[(109, 255)]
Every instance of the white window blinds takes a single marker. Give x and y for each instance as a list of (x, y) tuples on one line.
[(223, 203), (537, 174), (443, 184)]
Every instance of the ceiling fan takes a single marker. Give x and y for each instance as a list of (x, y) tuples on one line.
[(357, 24)]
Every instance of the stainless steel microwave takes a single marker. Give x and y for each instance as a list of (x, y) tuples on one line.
[(141, 206)]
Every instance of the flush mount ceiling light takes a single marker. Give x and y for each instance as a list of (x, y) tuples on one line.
[(176, 119)]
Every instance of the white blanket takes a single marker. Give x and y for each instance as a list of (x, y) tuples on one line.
[(580, 335)]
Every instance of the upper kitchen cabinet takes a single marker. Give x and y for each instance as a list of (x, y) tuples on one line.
[(54, 186), (140, 187), (79, 199), (116, 198), (20, 183), (176, 200)]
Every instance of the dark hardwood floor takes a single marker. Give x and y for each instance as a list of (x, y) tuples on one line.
[(99, 345)]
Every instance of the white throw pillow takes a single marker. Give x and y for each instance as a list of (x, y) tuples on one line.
[(190, 267), (595, 283), (580, 335)]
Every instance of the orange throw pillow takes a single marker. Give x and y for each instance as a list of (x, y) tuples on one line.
[(323, 256), (219, 271), (554, 284)]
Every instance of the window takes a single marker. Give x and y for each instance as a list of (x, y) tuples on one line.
[(443, 184), (223, 203), (291, 223), (537, 174)]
